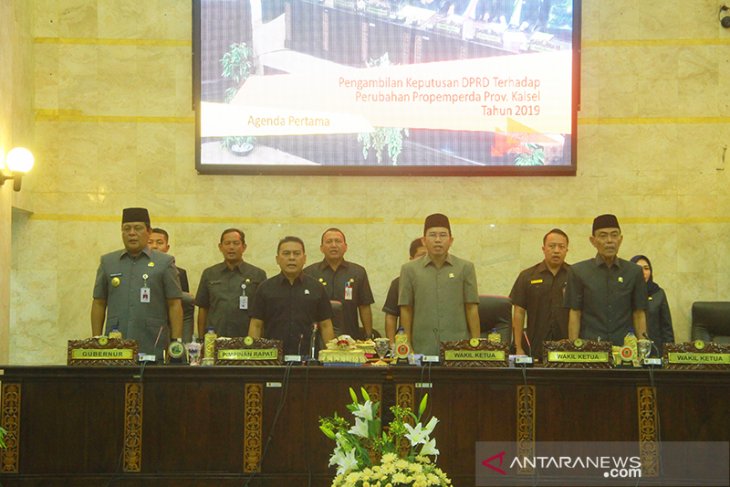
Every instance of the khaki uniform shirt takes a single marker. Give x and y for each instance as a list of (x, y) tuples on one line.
[(220, 292), (438, 297), (120, 279)]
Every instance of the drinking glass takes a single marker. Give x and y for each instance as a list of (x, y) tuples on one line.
[(382, 347)]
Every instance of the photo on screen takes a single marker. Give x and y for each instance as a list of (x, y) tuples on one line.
[(386, 87)]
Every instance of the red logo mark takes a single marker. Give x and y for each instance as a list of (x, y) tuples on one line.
[(488, 462)]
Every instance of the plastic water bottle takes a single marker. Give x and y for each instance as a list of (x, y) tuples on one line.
[(115, 333), (494, 337), (209, 346)]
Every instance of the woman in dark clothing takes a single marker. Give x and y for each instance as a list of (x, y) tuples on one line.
[(658, 317)]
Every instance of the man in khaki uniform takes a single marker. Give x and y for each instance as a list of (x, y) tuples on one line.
[(137, 290)]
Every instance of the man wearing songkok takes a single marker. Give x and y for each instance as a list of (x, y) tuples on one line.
[(137, 289), (438, 295), (288, 305), (538, 293), (227, 289), (606, 294), (345, 282)]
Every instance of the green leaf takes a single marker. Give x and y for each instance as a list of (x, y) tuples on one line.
[(422, 406)]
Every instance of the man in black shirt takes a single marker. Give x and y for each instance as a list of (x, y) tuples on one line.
[(287, 305), (606, 295), (538, 294), (159, 239), (346, 282), (390, 307)]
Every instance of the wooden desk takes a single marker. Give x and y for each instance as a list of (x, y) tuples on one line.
[(211, 426)]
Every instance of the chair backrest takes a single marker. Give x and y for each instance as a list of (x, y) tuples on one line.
[(711, 321), (495, 312)]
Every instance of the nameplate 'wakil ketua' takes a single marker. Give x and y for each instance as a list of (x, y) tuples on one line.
[(474, 353), (697, 355), (579, 354)]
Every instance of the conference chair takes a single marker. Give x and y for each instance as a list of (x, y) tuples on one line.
[(495, 313), (711, 321)]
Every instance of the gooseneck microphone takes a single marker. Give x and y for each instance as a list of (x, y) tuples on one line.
[(313, 342), (653, 345)]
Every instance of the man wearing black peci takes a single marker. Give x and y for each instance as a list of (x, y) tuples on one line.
[(606, 294), (137, 290)]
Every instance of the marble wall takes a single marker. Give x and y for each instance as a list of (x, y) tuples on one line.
[(16, 129), (114, 128)]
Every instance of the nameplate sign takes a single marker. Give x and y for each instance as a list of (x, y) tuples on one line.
[(474, 353), (248, 351), (580, 357), (102, 351), (699, 358), (578, 353), (696, 355), (248, 354), (448, 27), (108, 354), (346, 4)]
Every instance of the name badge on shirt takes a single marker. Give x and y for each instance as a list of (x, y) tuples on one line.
[(348, 292), (144, 295), (243, 302)]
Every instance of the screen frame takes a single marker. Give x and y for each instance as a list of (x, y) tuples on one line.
[(373, 170)]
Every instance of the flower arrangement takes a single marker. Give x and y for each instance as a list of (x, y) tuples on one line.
[(367, 455)]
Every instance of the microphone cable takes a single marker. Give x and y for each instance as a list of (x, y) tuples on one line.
[(657, 421), (118, 474), (307, 457), (523, 366), (279, 409)]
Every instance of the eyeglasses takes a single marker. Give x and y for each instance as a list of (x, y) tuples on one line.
[(605, 235)]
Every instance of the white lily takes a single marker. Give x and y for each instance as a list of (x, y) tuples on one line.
[(337, 457), (429, 448), (364, 411), (360, 428), (431, 425), (344, 461), (419, 434), (348, 463)]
